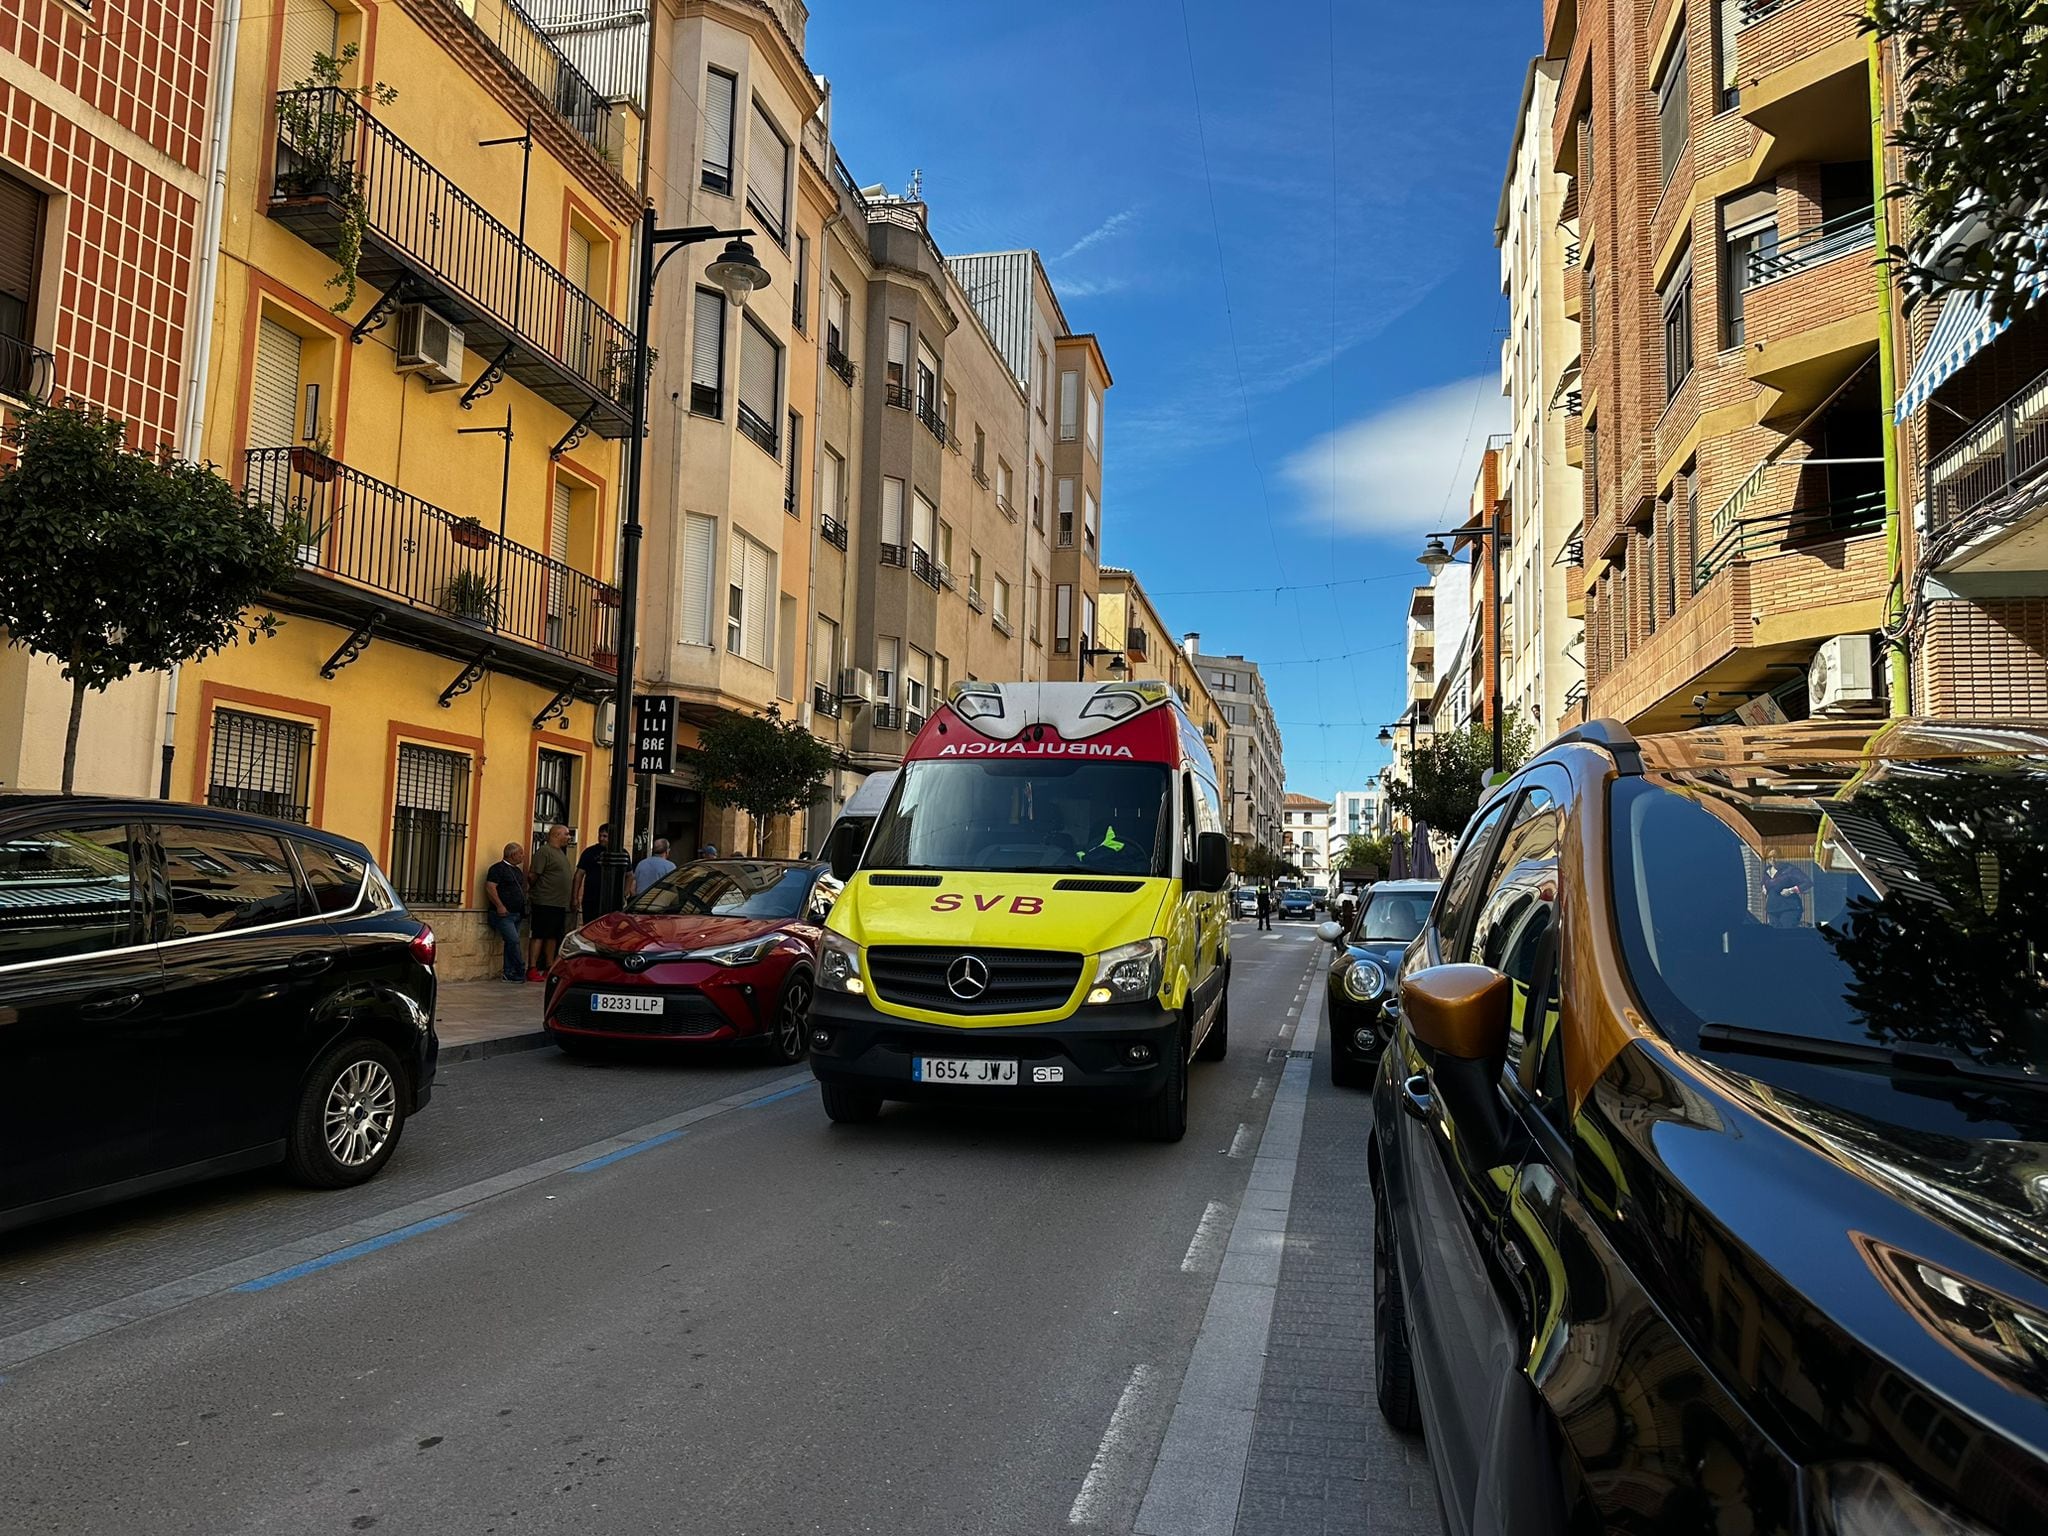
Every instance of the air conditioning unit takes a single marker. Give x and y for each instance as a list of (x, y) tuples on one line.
[(428, 345), (856, 685), (1839, 679)]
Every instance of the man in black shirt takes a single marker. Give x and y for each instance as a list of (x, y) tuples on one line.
[(505, 889), (588, 897)]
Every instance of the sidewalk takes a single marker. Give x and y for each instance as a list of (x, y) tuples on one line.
[(487, 1018)]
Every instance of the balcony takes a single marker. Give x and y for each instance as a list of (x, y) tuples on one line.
[(370, 553), (1002, 625), (2004, 455), (761, 433), (833, 530), (1810, 313), (924, 568), (1855, 231), (824, 701), (1769, 533), (423, 236), (1135, 643), (839, 362), (885, 718), (1003, 506), (933, 418), (974, 598), (894, 554), (899, 395), (1802, 74), (26, 371), (519, 41), (1066, 530)]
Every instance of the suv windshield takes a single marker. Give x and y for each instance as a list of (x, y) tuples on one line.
[(1904, 904), (1040, 815), (1392, 917), (728, 890)]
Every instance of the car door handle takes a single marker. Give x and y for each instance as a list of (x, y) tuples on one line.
[(1415, 1096), (111, 1007), (312, 963)]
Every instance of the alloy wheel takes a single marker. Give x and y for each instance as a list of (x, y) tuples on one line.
[(792, 1019), (362, 1108)]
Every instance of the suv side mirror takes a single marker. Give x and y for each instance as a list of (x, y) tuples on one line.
[(1331, 933), (1212, 861), (1460, 1011)]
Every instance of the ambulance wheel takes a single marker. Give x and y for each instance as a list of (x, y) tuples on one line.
[(1165, 1116)]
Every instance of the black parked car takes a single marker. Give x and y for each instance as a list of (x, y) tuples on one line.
[(186, 991), (1710, 1155), (1361, 979)]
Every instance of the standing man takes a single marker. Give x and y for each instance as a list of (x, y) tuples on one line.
[(505, 889), (1265, 909), (654, 867), (553, 877), (588, 895)]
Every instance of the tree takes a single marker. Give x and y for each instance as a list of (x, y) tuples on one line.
[(1258, 863), (118, 562), (1447, 774), (1974, 133), (761, 765), (1362, 852)]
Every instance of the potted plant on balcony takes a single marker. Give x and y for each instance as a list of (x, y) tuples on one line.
[(317, 125), (470, 533), (312, 461), (469, 596), (607, 597)]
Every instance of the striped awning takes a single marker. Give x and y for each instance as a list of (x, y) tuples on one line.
[(1963, 329)]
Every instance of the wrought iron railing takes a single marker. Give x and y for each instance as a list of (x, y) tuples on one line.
[(1757, 10), (1750, 538), (974, 598), (1571, 254), (834, 531), (981, 477), (924, 568), (331, 150), (1003, 506), (839, 363), (824, 701), (2001, 453), (1066, 530), (761, 432), (521, 43), (1575, 402), (899, 395), (885, 718), (1002, 625), (894, 554), (358, 530), (933, 418), (1838, 236), (26, 370)]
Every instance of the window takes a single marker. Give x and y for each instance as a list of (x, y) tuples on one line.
[(720, 92), (261, 764), (760, 381), (896, 370), (952, 415), (749, 600), (554, 791), (980, 455), (917, 683), (1672, 106), (888, 663), (1676, 302), (790, 461), (1035, 607), (923, 517), (309, 31), (1667, 556), (1003, 484), (1070, 405), (1749, 225), (66, 891), (892, 518), (1063, 618), (273, 387), (1038, 495), (1727, 22), (835, 320), (768, 174), (974, 578), (1094, 421), (707, 354), (1066, 530), (1088, 620), (334, 878), (430, 825), (223, 878), (1462, 889), (825, 654), (927, 380), (1092, 521), (800, 298), (1658, 513), (1589, 320), (832, 490), (1002, 599), (945, 550), (700, 546), (1044, 372), (561, 518)]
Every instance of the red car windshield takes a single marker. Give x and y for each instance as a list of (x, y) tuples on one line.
[(728, 890)]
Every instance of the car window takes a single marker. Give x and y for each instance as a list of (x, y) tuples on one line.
[(66, 891), (226, 878), (335, 879), (743, 890), (1462, 889), (1516, 934), (1392, 917)]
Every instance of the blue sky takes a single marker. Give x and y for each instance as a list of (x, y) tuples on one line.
[(1311, 430)]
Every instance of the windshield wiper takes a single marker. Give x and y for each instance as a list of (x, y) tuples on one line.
[(1928, 1060)]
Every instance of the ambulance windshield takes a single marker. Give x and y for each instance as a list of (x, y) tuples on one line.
[(1039, 816)]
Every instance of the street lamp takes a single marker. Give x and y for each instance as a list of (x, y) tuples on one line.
[(1435, 557), (739, 274), (1118, 670)]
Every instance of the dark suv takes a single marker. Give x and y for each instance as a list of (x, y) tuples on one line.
[(1710, 1155), (186, 991)]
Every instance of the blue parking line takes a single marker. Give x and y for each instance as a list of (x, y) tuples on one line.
[(785, 1094), (639, 1146), (353, 1251)]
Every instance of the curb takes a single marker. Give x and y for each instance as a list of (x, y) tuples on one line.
[(501, 1045)]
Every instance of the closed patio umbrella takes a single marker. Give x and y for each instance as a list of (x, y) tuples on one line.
[(1423, 858)]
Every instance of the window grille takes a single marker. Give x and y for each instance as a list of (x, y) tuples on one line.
[(430, 825), (260, 764), (554, 783)]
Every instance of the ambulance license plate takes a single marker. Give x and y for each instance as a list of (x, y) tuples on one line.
[(972, 1071)]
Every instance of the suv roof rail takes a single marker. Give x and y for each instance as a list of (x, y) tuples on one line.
[(1611, 735)]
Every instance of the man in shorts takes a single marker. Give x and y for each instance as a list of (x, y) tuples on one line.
[(553, 878)]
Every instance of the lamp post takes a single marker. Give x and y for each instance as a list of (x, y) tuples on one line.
[(1435, 557), (739, 274), (1118, 670)]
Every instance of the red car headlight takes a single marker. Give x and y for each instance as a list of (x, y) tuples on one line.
[(746, 952)]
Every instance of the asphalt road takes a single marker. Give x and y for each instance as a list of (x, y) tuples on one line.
[(648, 1297)]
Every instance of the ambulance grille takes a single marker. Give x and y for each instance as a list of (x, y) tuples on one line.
[(1100, 887), (1019, 980), (885, 879)]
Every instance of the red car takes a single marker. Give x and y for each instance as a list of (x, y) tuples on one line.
[(721, 951)]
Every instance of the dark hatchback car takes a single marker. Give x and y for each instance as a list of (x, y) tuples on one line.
[(718, 952), (1296, 901), (1710, 1157), (1361, 979), (186, 991)]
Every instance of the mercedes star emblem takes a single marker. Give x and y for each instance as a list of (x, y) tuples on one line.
[(967, 978)]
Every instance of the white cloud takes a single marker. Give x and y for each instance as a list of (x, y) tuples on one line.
[(1090, 287), (1394, 469), (1098, 234)]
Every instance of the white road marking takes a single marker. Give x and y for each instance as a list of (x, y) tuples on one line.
[(1259, 1089), (1115, 1441), (1241, 1141), (1208, 1240)]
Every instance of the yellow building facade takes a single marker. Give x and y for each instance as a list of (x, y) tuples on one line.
[(445, 445)]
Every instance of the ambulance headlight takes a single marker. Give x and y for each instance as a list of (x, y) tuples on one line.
[(1129, 973), (839, 965)]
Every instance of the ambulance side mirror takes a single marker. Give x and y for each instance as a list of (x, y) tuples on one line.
[(1212, 861), (847, 843)]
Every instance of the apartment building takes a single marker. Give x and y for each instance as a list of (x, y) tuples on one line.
[(1718, 219), (1305, 833), (1252, 745), (1543, 608), (106, 144), (1127, 624), (419, 363), (1355, 813)]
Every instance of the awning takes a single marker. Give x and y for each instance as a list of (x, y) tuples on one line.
[(1963, 329)]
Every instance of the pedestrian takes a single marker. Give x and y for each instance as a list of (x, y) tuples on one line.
[(708, 851), (654, 867), (553, 876), (588, 895), (1265, 910), (505, 889)]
